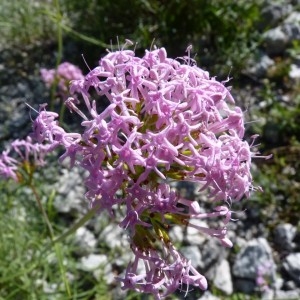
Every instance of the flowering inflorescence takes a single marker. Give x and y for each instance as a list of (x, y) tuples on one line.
[(61, 76), (165, 121), (22, 155), (264, 276)]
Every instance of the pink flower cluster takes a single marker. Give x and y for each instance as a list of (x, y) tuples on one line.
[(21, 152), (263, 275), (62, 76), (166, 121)]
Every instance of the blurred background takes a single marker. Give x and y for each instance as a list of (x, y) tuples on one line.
[(255, 43)]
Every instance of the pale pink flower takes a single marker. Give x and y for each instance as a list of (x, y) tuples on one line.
[(62, 76), (19, 153), (166, 120)]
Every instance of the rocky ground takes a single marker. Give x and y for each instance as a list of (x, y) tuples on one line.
[(264, 260)]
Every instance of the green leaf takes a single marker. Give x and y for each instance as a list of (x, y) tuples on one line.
[(78, 224)]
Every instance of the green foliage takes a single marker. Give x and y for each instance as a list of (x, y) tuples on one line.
[(221, 32), (20, 247), (280, 135), (281, 183), (294, 51), (23, 22), (281, 120), (29, 263)]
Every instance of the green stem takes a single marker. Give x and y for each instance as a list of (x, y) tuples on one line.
[(59, 34), (58, 18), (62, 113), (78, 224), (45, 216), (57, 247)]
